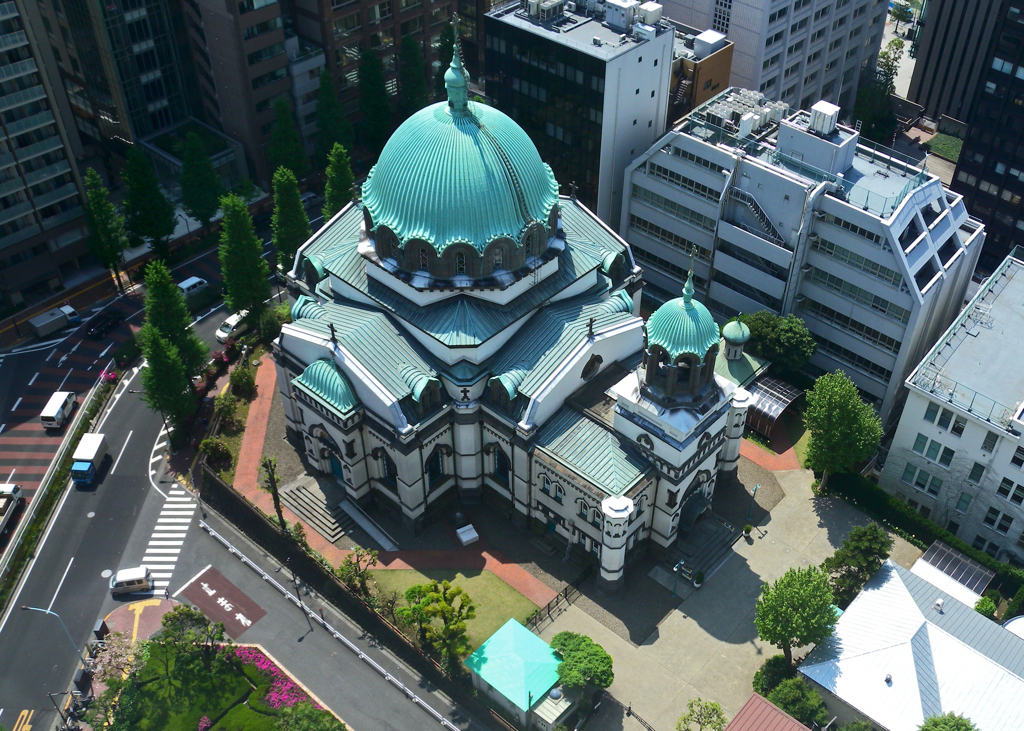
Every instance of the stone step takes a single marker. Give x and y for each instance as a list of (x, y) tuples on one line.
[(331, 522)]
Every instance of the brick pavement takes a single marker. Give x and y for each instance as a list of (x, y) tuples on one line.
[(785, 459)]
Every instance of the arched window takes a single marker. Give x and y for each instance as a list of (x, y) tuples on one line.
[(424, 260), (498, 259), (545, 485), (435, 467), (460, 263), (395, 254), (502, 467), (389, 475)]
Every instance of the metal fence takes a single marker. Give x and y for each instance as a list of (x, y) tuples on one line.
[(566, 596)]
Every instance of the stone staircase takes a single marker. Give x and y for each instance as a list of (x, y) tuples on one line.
[(316, 511), (704, 547)]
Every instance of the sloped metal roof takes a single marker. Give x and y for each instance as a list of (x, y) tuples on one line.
[(758, 714), (516, 663), (323, 379)]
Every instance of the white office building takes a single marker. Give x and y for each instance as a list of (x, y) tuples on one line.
[(797, 51), (957, 456), (792, 212)]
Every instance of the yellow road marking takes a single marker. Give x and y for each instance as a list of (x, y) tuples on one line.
[(137, 608), (22, 724)]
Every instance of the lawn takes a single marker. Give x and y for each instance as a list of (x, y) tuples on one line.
[(946, 146), (798, 434), (759, 440), (232, 436), (496, 601)]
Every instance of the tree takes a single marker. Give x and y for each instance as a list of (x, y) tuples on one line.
[(107, 240), (453, 607), (412, 78), (307, 717), (117, 656), (948, 722), (332, 126), (772, 672), (148, 213), (901, 13), (373, 102), (289, 222), (167, 313), (242, 265), (706, 715), (857, 726), (200, 187), (415, 614), (584, 662), (445, 52), (269, 466), (796, 610), (800, 701), (285, 146), (354, 569), (168, 387), (844, 430), (338, 190), (856, 561), (985, 607), (785, 341), (188, 635), (873, 105)]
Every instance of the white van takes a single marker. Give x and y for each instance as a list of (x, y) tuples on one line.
[(233, 326), (129, 581), (192, 286), (58, 409)]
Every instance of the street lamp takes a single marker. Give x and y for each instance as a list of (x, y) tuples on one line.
[(70, 638), (675, 577), (59, 711), (187, 225), (752, 494)]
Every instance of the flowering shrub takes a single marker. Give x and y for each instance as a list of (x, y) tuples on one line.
[(109, 376), (204, 723), (283, 692)]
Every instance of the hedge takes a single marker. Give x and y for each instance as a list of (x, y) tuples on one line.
[(1014, 607), (880, 505)]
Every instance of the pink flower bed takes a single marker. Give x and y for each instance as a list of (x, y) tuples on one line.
[(283, 692)]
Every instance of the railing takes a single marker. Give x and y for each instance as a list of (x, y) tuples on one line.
[(566, 596), (630, 712), (933, 381), (770, 232)]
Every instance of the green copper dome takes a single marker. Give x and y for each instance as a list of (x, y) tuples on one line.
[(736, 332), (682, 326), (458, 171), (324, 379)]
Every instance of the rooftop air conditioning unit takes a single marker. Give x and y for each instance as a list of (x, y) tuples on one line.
[(597, 41), (571, 7)]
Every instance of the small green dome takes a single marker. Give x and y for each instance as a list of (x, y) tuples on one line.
[(736, 332), (324, 379), (458, 171), (683, 326)]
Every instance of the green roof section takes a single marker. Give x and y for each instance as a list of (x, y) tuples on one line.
[(736, 332), (516, 663), (323, 379), (598, 454), (683, 325), (741, 371)]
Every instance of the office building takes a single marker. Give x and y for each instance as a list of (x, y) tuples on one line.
[(591, 87), (793, 212), (957, 455), (990, 171), (795, 51), (42, 224), (701, 66), (953, 46)]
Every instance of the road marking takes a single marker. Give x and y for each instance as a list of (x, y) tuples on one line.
[(171, 551), (75, 348), (34, 378), (2, 428), (137, 609), (159, 566), (16, 403), (11, 478), (50, 355), (166, 543), (162, 574), (118, 460), (162, 584), (161, 445), (22, 724), (174, 520), (176, 499), (65, 379), (106, 349), (187, 583), (60, 584), (155, 457)]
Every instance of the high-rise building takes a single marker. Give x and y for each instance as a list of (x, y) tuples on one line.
[(591, 88), (792, 212), (701, 66), (990, 172), (798, 51), (42, 226)]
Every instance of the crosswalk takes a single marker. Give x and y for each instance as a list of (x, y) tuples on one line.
[(169, 536)]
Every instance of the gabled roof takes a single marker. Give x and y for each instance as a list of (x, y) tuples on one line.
[(758, 714), (938, 661), (516, 663)]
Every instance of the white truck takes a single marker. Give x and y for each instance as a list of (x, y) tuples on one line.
[(10, 497), (88, 457), (53, 320)]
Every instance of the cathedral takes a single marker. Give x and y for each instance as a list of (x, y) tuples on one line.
[(466, 334)]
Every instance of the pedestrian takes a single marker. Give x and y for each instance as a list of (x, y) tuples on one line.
[(322, 614), (167, 594)]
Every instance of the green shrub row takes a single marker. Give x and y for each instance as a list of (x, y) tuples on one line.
[(882, 506), (1013, 608)]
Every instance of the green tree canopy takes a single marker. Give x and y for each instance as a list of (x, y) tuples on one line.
[(107, 239), (785, 341), (338, 189), (844, 430), (242, 265), (796, 610), (800, 701), (453, 607), (285, 146), (374, 102), (873, 105), (948, 722), (901, 13), (856, 561), (414, 613), (857, 726), (147, 211), (584, 662), (445, 52), (168, 388), (307, 717), (332, 126), (985, 607), (167, 314), (289, 222), (200, 187), (412, 79), (702, 715)]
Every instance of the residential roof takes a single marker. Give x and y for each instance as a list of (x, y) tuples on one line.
[(323, 379), (758, 714), (898, 659), (516, 663), (595, 452)]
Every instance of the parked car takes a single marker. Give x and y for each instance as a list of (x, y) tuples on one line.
[(233, 326), (104, 323)]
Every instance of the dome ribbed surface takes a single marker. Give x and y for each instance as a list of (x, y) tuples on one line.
[(736, 332), (682, 326), (445, 177), (326, 380)]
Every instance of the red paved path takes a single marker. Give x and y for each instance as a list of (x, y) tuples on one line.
[(784, 459)]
